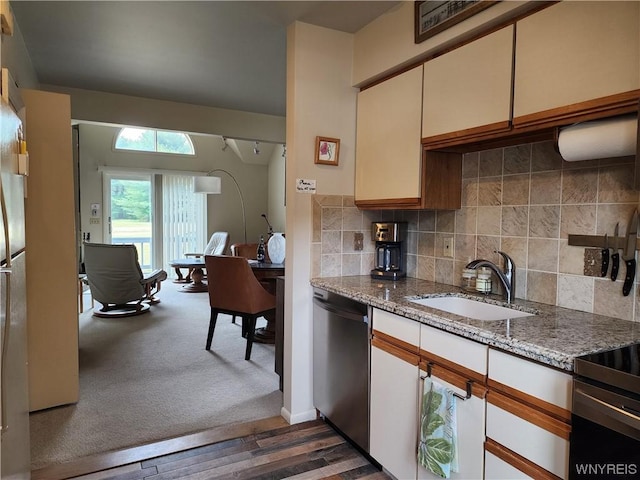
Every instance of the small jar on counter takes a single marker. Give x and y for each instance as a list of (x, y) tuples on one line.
[(483, 281), (469, 279)]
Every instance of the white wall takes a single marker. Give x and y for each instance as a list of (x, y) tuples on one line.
[(276, 208), (16, 58), (92, 106), (388, 41), (96, 149), (320, 102)]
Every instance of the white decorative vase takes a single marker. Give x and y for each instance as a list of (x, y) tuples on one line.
[(276, 247)]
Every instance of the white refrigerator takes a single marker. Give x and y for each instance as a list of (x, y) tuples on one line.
[(14, 397)]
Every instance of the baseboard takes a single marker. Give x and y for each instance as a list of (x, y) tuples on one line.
[(298, 417)]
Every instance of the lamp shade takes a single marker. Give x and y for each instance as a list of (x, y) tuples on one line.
[(207, 185)]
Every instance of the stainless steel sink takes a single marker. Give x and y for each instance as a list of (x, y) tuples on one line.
[(467, 307)]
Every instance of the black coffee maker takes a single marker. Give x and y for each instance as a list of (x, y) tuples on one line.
[(389, 259)]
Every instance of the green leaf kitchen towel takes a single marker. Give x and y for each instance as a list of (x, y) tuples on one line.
[(438, 447)]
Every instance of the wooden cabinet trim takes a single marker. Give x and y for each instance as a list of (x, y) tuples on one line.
[(560, 413), (496, 140), (456, 138), (391, 203), (385, 337), (598, 108), (529, 414), (448, 364), (478, 389), (537, 127), (396, 351), (518, 461)]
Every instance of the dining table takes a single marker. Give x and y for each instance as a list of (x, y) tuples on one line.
[(267, 274)]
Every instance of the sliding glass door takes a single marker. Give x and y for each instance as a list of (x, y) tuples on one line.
[(158, 213), (129, 214), (184, 221)]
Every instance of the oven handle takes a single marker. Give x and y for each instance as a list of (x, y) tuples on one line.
[(624, 415)]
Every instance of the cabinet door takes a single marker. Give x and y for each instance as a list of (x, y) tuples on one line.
[(467, 92), (470, 417), (461, 354), (388, 150), (394, 412), (575, 52), (51, 227), (497, 469), (402, 331), (541, 440), (534, 383)]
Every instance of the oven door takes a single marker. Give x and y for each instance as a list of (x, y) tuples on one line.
[(605, 433)]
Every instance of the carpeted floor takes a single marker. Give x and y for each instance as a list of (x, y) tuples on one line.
[(148, 378)]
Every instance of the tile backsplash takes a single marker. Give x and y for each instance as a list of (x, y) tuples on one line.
[(523, 200)]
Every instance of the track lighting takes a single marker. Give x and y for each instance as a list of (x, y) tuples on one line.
[(224, 143), (256, 150)]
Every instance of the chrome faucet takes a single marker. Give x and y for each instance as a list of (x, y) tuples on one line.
[(507, 278)]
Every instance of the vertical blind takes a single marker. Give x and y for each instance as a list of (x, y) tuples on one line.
[(184, 220)]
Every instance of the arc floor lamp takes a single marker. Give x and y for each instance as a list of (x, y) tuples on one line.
[(211, 184)]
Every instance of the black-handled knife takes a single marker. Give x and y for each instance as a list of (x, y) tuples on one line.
[(605, 257), (630, 254), (615, 257)]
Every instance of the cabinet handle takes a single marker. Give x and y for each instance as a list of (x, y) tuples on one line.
[(457, 395)]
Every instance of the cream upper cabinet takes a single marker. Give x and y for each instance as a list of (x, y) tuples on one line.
[(468, 91), (575, 52), (388, 150)]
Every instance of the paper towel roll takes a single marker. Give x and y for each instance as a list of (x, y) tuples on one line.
[(614, 137)]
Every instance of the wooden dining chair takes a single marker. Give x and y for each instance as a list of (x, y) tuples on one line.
[(246, 250), (234, 290)]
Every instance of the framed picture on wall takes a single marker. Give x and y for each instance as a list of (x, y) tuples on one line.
[(434, 16), (327, 151)]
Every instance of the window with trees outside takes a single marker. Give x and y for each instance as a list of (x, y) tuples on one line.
[(150, 140)]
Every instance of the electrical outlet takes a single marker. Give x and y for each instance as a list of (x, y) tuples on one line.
[(447, 248), (358, 241)]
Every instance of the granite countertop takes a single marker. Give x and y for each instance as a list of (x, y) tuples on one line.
[(554, 336)]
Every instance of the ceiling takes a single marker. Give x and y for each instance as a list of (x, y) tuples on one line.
[(226, 54)]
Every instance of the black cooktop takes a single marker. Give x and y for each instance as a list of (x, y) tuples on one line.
[(619, 367)]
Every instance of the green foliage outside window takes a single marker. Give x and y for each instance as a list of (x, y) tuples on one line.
[(131, 200), (147, 140)]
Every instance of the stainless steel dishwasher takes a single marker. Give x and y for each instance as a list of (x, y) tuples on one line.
[(341, 364)]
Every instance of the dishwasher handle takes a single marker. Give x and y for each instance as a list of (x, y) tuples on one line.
[(340, 310)]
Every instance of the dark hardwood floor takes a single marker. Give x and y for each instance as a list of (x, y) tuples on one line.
[(266, 449)]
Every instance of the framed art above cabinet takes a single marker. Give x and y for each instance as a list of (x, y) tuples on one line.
[(433, 16)]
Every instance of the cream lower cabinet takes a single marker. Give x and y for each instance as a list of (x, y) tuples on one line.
[(394, 393), (460, 365), (528, 416)]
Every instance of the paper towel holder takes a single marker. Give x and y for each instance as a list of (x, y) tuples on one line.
[(620, 129)]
